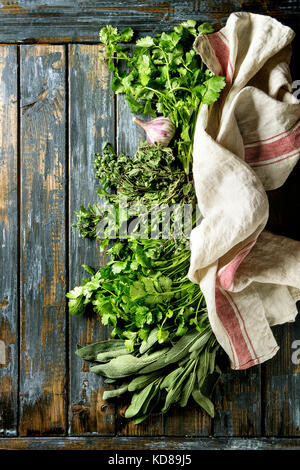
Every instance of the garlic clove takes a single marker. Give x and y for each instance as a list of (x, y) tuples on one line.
[(160, 130)]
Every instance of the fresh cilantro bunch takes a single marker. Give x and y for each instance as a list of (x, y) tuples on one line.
[(140, 289), (166, 77)]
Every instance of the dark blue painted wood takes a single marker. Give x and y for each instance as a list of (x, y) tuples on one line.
[(8, 241), (43, 274), (249, 403), (91, 124), (76, 20)]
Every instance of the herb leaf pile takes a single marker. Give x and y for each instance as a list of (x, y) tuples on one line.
[(145, 282), (162, 350)]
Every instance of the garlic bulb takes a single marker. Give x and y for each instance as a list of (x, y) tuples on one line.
[(158, 131)]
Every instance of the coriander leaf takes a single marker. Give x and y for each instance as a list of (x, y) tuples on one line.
[(171, 39), (129, 344), (185, 134), (141, 257), (162, 335), (76, 302), (144, 69), (126, 34), (109, 34), (119, 266), (165, 283), (117, 85), (188, 26), (116, 248), (147, 41), (214, 86), (141, 316), (205, 28), (148, 110), (135, 106), (137, 290), (143, 334), (88, 269)]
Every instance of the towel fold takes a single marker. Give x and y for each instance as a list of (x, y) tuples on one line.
[(248, 142)]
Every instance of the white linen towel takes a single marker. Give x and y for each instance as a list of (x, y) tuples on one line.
[(246, 143)]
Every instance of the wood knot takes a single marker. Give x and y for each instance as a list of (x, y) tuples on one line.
[(78, 409)]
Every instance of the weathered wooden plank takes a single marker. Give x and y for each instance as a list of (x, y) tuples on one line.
[(281, 375), (282, 384), (151, 444), (8, 240), (74, 20), (91, 124), (129, 134), (238, 403), (189, 421), (43, 285)]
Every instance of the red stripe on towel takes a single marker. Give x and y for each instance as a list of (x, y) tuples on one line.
[(295, 154), (273, 136), (226, 42), (229, 320), (280, 147), (226, 274), (222, 53), (244, 326)]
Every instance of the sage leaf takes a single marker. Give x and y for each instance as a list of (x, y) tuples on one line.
[(188, 389), (151, 404), (156, 354), (212, 359), (181, 348), (204, 402), (140, 419), (109, 381), (115, 393), (156, 365), (194, 354), (119, 367), (125, 365), (106, 356), (202, 368), (175, 392), (209, 383), (138, 400), (151, 340), (152, 399), (90, 352), (201, 341), (184, 361), (142, 381), (170, 379)]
